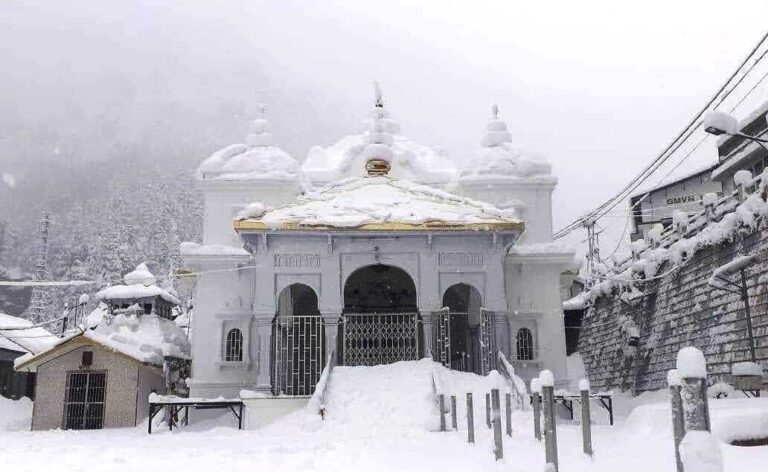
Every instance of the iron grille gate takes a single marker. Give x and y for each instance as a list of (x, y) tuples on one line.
[(478, 356), (84, 406), (380, 338), (298, 356), (487, 341)]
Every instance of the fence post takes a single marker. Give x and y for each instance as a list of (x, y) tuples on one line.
[(508, 407), (536, 400), (699, 450), (498, 445), (488, 410), (470, 419), (441, 405), (454, 420), (678, 421), (547, 382), (586, 419)]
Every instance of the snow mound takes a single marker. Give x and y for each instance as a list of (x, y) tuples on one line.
[(691, 363), (147, 338), (22, 336), (722, 121), (747, 368), (700, 452), (371, 200), (15, 415), (392, 396)]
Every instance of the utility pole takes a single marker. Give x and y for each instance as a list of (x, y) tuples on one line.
[(37, 302)]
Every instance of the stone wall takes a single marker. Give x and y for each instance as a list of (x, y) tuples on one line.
[(679, 309)]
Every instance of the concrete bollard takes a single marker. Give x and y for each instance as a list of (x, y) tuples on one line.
[(454, 419), (586, 417), (678, 420), (508, 411), (699, 450), (441, 405), (488, 410), (547, 382), (536, 401), (498, 445), (470, 420)]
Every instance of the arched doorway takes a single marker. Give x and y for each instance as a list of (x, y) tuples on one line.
[(298, 337), (464, 304), (381, 321)]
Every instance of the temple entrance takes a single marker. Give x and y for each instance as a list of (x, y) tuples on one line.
[(380, 320), (298, 337), (461, 329)]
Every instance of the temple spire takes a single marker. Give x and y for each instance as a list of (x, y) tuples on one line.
[(496, 131), (261, 130)]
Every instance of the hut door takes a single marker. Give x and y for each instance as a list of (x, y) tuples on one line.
[(84, 406)]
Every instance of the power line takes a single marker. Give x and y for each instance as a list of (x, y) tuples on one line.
[(672, 147)]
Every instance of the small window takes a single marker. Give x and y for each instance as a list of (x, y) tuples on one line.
[(147, 308), (87, 359), (524, 344), (234, 346)]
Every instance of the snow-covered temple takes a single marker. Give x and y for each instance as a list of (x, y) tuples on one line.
[(375, 249)]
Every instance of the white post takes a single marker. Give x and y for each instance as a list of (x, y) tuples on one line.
[(586, 420), (547, 381)]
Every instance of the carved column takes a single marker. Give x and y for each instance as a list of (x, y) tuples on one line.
[(264, 338)]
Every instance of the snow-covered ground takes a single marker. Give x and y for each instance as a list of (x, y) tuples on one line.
[(369, 431)]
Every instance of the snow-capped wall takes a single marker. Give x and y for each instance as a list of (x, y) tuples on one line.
[(680, 309)]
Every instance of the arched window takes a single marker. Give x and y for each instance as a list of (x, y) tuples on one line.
[(234, 347), (524, 344)]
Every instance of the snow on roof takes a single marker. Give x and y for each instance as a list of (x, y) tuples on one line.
[(541, 248), (188, 248), (347, 157), (378, 200), (146, 338), (499, 158), (258, 159), (23, 337), (132, 292)]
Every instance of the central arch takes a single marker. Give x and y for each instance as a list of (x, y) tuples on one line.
[(381, 321), (380, 288)]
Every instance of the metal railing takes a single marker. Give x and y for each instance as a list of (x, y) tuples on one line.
[(379, 338), (298, 354)]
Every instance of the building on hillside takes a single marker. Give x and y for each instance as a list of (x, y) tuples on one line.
[(657, 205), (102, 375), (736, 153), (19, 337), (377, 249)]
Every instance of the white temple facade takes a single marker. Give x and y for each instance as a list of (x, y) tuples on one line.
[(375, 249)]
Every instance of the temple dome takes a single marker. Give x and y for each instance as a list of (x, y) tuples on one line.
[(258, 159), (498, 158), (408, 159)]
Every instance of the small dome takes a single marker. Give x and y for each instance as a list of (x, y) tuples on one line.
[(257, 159), (498, 158)]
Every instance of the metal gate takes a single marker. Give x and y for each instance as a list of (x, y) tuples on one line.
[(478, 354), (84, 403), (487, 341), (380, 338), (298, 354)]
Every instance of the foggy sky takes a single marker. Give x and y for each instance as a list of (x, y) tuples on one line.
[(597, 87)]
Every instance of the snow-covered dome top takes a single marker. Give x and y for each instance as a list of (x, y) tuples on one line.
[(140, 275), (498, 158), (378, 203), (257, 159), (347, 157)]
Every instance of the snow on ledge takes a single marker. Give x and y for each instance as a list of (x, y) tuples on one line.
[(541, 248), (189, 248), (746, 368)]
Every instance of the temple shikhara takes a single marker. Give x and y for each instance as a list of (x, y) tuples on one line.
[(373, 250)]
